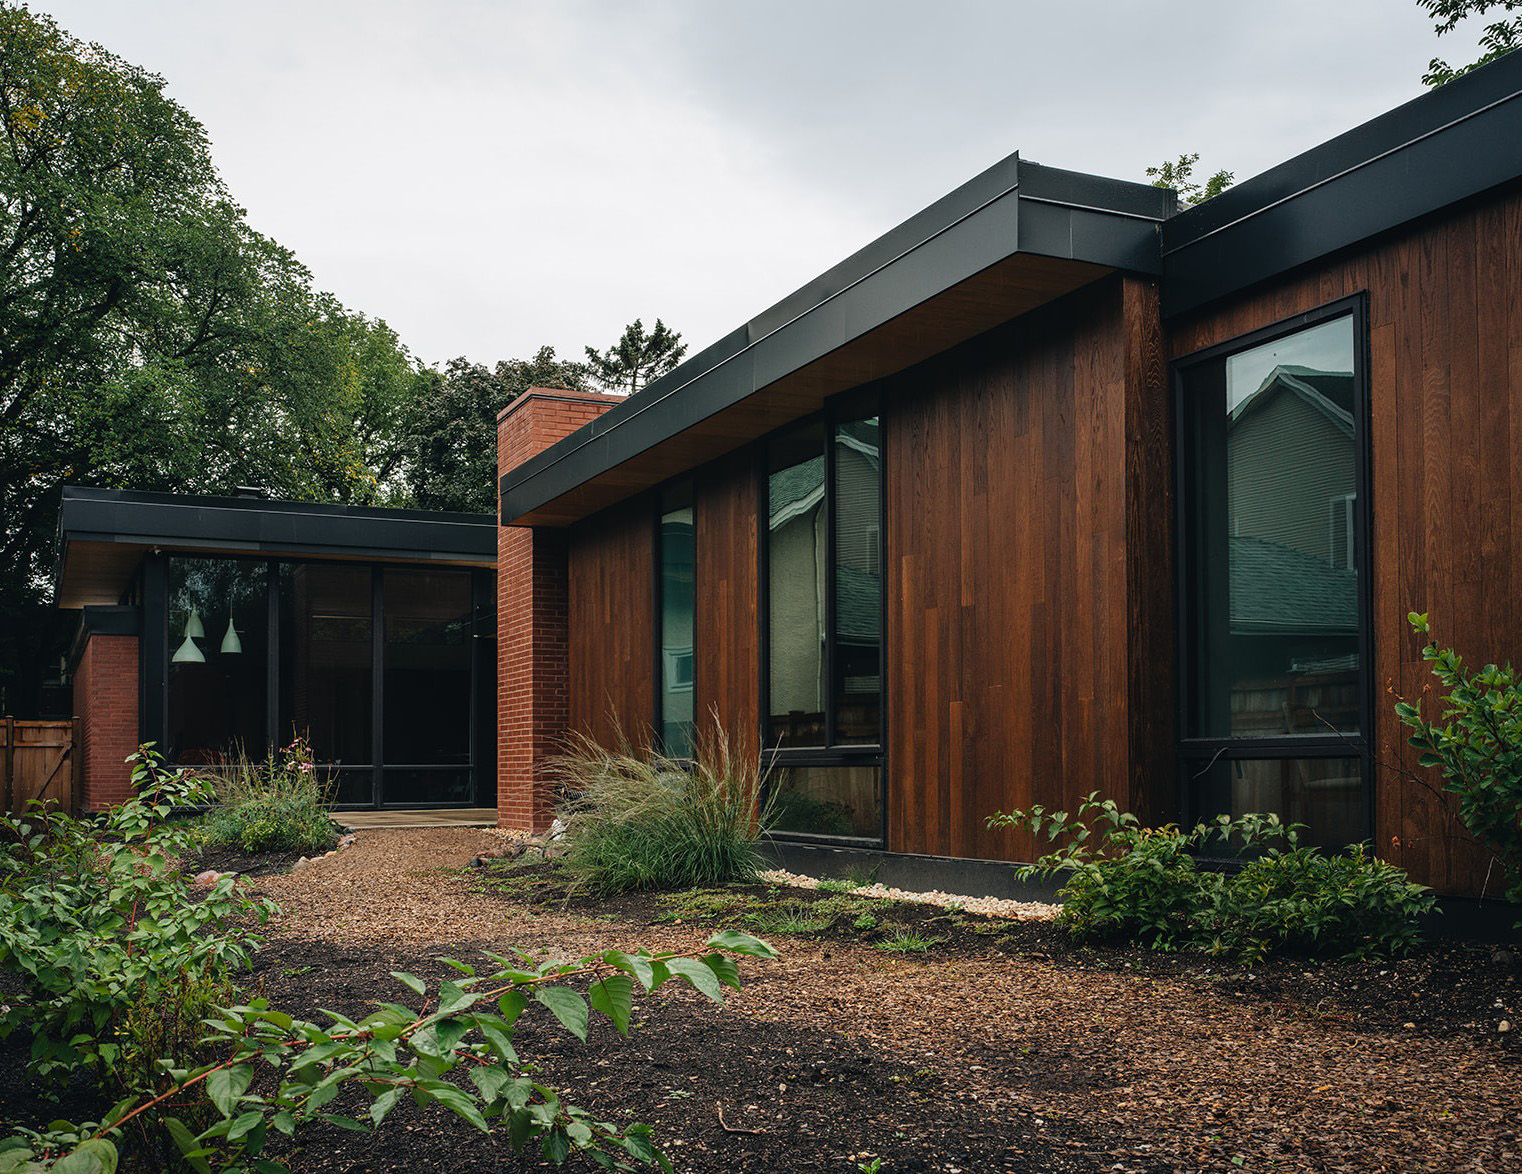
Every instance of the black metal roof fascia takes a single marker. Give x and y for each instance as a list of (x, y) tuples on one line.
[(1015, 206), (1445, 146), (157, 519)]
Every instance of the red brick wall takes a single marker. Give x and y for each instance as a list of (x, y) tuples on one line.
[(105, 703), (532, 678)]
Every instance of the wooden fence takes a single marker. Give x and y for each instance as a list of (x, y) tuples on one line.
[(36, 762)]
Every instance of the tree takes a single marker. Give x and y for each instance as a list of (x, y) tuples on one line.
[(636, 358), (149, 337), (1179, 176), (452, 426), (1498, 38)]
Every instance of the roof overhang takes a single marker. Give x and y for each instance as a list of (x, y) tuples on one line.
[(1014, 238), (1455, 142), (103, 534)]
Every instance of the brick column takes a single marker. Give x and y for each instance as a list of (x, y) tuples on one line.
[(105, 728), (532, 708)]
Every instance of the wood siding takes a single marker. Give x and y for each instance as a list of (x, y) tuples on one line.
[(1445, 335), (1024, 575), (727, 643), (610, 620)]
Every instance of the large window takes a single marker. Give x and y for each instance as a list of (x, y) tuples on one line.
[(1274, 619), (376, 665), (823, 623), (678, 618)]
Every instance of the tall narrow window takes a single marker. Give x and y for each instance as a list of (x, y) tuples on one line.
[(824, 624), (218, 659), (678, 619), (1274, 618)]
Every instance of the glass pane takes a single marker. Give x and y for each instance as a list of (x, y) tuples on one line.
[(326, 650), (425, 786), (858, 582), (427, 659), (828, 801), (795, 620), (218, 659), (1271, 507), (1325, 794), (353, 786), (678, 572)]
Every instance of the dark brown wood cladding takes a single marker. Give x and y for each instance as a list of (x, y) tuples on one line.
[(610, 621), (727, 644), (1012, 567), (1445, 325)]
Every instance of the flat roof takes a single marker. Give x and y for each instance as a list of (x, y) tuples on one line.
[(103, 533), (1451, 143), (1013, 238)]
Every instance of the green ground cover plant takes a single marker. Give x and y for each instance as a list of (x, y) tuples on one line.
[(641, 820), (279, 804), (1126, 881), (1477, 746)]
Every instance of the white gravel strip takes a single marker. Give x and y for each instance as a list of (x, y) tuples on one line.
[(992, 906)]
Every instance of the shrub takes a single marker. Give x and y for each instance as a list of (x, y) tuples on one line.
[(646, 821), (95, 920), (1125, 881), (801, 813), (278, 805), (1478, 748)]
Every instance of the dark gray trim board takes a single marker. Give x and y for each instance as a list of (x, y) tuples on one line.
[(1450, 144), (1013, 208)]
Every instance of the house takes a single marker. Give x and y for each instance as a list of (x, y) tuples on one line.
[(215, 626), (1057, 487)]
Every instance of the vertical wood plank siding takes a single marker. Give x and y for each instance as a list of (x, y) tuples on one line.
[(1445, 323), (1024, 473), (611, 623), (727, 671)]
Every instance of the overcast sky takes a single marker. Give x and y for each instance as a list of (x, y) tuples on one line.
[(490, 176)]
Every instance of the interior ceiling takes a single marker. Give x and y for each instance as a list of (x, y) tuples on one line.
[(1014, 286)]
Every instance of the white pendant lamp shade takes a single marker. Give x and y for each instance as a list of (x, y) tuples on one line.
[(194, 627), (230, 642), (188, 653)]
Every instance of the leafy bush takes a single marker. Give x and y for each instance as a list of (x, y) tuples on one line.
[(646, 821), (1478, 748), (401, 1050), (96, 919), (1144, 884), (278, 805)]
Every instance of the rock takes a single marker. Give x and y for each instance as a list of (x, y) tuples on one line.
[(557, 829), (209, 877), (300, 864), (1501, 956), (1504, 1026)]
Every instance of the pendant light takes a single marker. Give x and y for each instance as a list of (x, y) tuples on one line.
[(230, 642), (193, 626), (188, 653)]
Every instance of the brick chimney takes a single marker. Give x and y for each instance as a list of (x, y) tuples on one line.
[(532, 706)]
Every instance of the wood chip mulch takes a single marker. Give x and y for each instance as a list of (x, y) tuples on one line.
[(1074, 1059)]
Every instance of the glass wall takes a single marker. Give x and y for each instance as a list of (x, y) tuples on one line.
[(1273, 618), (857, 670), (836, 801), (376, 666), (795, 542), (218, 685), (678, 618)]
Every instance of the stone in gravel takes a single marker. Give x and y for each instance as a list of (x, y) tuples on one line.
[(300, 864), (209, 877)]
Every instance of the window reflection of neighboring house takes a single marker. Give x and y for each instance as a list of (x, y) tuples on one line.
[(797, 583)]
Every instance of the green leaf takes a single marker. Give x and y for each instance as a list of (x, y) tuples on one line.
[(226, 1085), (614, 997), (284, 1122), (567, 1006), (94, 1155), (701, 977), (343, 1122), (385, 1103), (511, 1005), (724, 969), (243, 1124), (501, 1043), (740, 943), (453, 998), (185, 1142), (417, 986), (489, 1079), (557, 1147), (448, 1033)]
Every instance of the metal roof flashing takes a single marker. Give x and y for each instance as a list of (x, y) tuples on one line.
[(1015, 209)]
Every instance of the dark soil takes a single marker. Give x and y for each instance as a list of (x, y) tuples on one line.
[(229, 859), (997, 1046)]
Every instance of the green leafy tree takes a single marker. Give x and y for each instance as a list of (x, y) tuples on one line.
[(1179, 175), (149, 337), (452, 426), (636, 358), (1497, 39)]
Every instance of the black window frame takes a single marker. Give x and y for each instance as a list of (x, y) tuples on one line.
[(856, 404), (1197, 754), (663, 499)]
